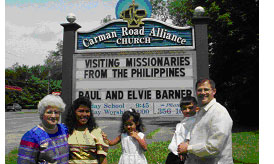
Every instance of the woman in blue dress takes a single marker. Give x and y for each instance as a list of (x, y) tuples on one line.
[(46, 142)]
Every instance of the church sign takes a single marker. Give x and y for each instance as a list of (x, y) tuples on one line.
[(153, 33), (134, 62)]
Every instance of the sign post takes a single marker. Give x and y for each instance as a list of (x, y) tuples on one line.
[(201, 38), (68, 50)]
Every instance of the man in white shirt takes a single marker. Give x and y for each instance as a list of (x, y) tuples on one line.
[(189, 108), (210, 138)]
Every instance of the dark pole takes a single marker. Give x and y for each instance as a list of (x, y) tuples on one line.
[(201, 43), (68, 51)]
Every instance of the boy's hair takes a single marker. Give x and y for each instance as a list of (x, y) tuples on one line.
[(188, 100), (136, 119)]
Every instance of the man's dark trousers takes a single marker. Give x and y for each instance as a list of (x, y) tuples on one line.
[(173, 159)]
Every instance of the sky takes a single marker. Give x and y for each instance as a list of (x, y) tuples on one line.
[(32, 27)]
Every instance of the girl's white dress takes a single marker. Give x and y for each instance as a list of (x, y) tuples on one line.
[(132, 152)]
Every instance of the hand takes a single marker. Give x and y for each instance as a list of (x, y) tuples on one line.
[(181, 157), (105, 137), (182, 148), (134, 134)]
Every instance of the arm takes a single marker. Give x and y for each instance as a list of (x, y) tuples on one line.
[(115, 141), (177, 137), (172, 146), (111, 142), (28, 150), (182, 150), (141, 141), (218, 135), (102, 146), (102, 159)]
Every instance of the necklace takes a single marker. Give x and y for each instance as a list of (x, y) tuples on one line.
[(49, 129)]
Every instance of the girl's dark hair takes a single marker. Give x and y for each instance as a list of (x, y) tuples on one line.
[(71, 121), (136, 118)]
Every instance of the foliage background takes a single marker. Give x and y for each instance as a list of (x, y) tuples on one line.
[(36, 81), (233, 37)]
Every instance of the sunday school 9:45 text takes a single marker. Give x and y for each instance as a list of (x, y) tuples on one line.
[(142, 105)]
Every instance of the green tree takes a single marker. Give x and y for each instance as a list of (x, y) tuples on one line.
[(15, 76), (233, 52), (33, 81), (160, 10), (106, 19), (53, 62), (181, 12), (39, 71), (36, 81)]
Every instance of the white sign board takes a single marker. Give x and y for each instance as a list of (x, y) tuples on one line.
[(151, 82)]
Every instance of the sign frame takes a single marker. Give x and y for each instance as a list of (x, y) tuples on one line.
[(127, 54), (136, 48)]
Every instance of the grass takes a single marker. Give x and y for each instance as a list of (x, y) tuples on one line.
[(246, 147), (151, 134), (156, 153), (11, 158), (24, 112), (20, 112), (245, 150), (114, 154)]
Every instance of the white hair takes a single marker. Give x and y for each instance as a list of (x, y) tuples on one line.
[(50, 100)]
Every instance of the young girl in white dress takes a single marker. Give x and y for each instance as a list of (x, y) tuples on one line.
[(132, 139)]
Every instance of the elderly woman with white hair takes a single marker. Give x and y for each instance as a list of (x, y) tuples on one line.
[(46, 142)]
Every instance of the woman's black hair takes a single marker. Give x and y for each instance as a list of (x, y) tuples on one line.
[(136, 118), (71, 121)]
